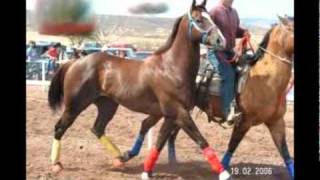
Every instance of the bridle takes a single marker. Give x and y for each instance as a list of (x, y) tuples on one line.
[(204, 33), (285, 60)]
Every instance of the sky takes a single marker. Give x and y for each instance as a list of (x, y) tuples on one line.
[(246, 8)]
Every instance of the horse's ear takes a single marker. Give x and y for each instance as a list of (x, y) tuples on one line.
[(283, 20), (204, 3), (193, 4)]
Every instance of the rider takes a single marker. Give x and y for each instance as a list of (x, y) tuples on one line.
[(227, 20)]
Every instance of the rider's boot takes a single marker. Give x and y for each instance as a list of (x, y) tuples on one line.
[(232, 116)]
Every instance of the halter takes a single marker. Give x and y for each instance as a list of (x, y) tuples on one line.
[(204, 33), (278, 57), (285, 60)]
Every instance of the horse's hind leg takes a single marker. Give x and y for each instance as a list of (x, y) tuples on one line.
[(106, 110), (171, 148), (75, 103), (146, 124), (186, 123), (277, 130), (68, 117), (239, 131)]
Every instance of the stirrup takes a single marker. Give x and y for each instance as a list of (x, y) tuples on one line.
[(231, 118)]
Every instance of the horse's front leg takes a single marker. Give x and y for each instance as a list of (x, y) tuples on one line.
[(146, 124), (278, 133), (185, 122), (165, 131)]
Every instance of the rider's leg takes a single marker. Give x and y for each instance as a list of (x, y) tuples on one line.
[(213, 60), (227, 88)]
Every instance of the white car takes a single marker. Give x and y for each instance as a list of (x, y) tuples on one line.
[(129, 52)]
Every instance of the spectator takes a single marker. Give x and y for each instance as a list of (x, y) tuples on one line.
[(75, 54), (53, 55), (122, 54), (32, 53), (82, 53)]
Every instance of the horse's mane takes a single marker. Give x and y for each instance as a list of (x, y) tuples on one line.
[(263, 44), (171, 38)]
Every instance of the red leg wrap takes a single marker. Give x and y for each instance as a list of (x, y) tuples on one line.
[(151, 160), (214, 162)]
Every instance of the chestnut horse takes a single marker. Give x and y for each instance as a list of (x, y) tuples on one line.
[(262, 100), (162, 86)]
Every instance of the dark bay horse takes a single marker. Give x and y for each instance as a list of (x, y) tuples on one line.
[(262, 100), (162, 86)]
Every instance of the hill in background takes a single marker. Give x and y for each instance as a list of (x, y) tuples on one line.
[(144, 32)]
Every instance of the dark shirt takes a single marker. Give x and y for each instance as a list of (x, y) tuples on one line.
[(228, 22)]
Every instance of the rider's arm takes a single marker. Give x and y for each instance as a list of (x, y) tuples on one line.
[(241, 32)]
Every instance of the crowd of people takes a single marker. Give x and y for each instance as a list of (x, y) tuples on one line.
[(56, 52), (53, 54)]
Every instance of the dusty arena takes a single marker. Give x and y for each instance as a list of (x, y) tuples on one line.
[(84, 158)]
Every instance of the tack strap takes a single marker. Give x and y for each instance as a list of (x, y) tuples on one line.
[(213, 160), (55, 152), (204, 33), (137, 146), (151, 160), (275, 56)]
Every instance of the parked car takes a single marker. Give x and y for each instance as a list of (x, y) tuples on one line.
[(142, 54), (91, 50), (129, 52), (89, 45)]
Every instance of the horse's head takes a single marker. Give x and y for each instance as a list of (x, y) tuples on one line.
[(283, 35), (201, 27)]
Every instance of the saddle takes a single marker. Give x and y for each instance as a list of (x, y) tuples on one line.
[(208, 79)]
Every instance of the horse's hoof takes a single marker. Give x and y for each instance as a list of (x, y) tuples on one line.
[(117, 164), (173, 165), (126, 156), (224, 176), (57, 167), (145, 176)]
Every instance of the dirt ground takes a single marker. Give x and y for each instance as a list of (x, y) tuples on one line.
[(85, 159)]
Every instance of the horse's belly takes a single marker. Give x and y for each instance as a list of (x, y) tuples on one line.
[(141, 104), (136, 99)]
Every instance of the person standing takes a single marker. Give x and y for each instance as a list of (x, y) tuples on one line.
[(32, 53), (53, 55)]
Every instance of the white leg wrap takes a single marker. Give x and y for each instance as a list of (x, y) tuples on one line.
[(55, 151), (224, 175), (145, 176)]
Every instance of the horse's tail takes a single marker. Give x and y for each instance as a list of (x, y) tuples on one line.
[(55, 95)]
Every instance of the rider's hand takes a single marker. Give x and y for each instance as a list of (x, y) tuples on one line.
[(246, 34)]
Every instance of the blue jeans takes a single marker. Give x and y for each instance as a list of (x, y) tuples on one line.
[(51, 65), (227, 73)]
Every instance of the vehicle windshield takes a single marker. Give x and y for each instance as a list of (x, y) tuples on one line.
[(92, 45), (142, 55)]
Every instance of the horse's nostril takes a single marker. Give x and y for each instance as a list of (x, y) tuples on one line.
[(218, 41)]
